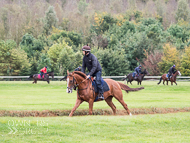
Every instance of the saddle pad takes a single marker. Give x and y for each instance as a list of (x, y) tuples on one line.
[(104, 85), (39, 76)]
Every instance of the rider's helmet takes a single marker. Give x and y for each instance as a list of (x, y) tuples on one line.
[(139, 66), (86, 48), (173, 66), (46, 67), (79, 67)]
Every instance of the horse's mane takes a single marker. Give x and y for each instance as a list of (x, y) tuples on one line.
[(143, 71), (80, 74), (175, 71)]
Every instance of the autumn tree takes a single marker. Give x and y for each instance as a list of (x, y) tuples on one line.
[(170, 58), (185, 62)]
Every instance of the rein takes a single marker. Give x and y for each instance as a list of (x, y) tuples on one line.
[(75, 86)]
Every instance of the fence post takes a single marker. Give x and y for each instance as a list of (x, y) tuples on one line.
[(125, 79)]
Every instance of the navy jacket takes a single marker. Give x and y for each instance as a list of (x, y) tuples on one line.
[(171, 70), (138, 70), (92, 64)]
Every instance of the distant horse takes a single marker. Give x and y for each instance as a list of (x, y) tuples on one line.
[(85, 91), (64, 78), (45, 77), (139, 78), (172, 79)]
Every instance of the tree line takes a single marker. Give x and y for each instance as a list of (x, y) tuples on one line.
[(38, 33)]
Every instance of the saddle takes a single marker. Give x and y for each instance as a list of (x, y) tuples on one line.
[(136, 75), (39, 76), (104, 85), (167, 75)]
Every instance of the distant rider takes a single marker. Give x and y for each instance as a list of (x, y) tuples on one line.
[(171, 71), (137, 71), (43, 70), (78, 69), (94, 68)]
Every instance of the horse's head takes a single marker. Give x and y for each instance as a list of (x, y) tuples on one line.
[(178, 73), (71, 82), (146, 72), (51, 74), (75, 79)]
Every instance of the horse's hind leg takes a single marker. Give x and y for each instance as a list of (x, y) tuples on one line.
[(125, 106), (175, 82), (110, 103), (48, 81), (119, 96)]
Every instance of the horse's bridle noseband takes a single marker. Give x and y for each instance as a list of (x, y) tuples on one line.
[(76, 85)]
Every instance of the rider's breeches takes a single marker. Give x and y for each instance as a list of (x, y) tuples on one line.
[(98, 81), (134, 74), (41, 74)]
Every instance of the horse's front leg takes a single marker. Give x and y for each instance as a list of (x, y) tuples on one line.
[(91, 102), (175, 82), (78, 102)]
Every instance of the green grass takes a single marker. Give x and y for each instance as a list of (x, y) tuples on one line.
[(23, 95), (142, 128), (20, 95)]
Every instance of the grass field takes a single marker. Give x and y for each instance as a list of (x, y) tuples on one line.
[(22, 95), (141, 128), (19, 95)]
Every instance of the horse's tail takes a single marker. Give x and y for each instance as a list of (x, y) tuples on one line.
[(31, 76), (160, 80), (125, 77), (127, 88)]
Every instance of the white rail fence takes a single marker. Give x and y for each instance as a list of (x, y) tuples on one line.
[(113, 77)]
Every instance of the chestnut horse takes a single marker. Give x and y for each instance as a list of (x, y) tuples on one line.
[(139, 78), (86, 91), (172, 79)]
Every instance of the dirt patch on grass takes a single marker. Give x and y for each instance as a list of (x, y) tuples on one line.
[(48, 113)]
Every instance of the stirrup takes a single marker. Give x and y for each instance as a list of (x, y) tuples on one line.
[(101, 96)]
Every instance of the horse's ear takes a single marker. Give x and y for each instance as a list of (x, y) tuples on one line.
[(67, 72)]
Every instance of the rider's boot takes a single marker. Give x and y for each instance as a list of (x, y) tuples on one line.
[(101, 96), (168, 78)]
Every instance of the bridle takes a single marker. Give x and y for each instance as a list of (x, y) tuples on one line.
[(76, 85)]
